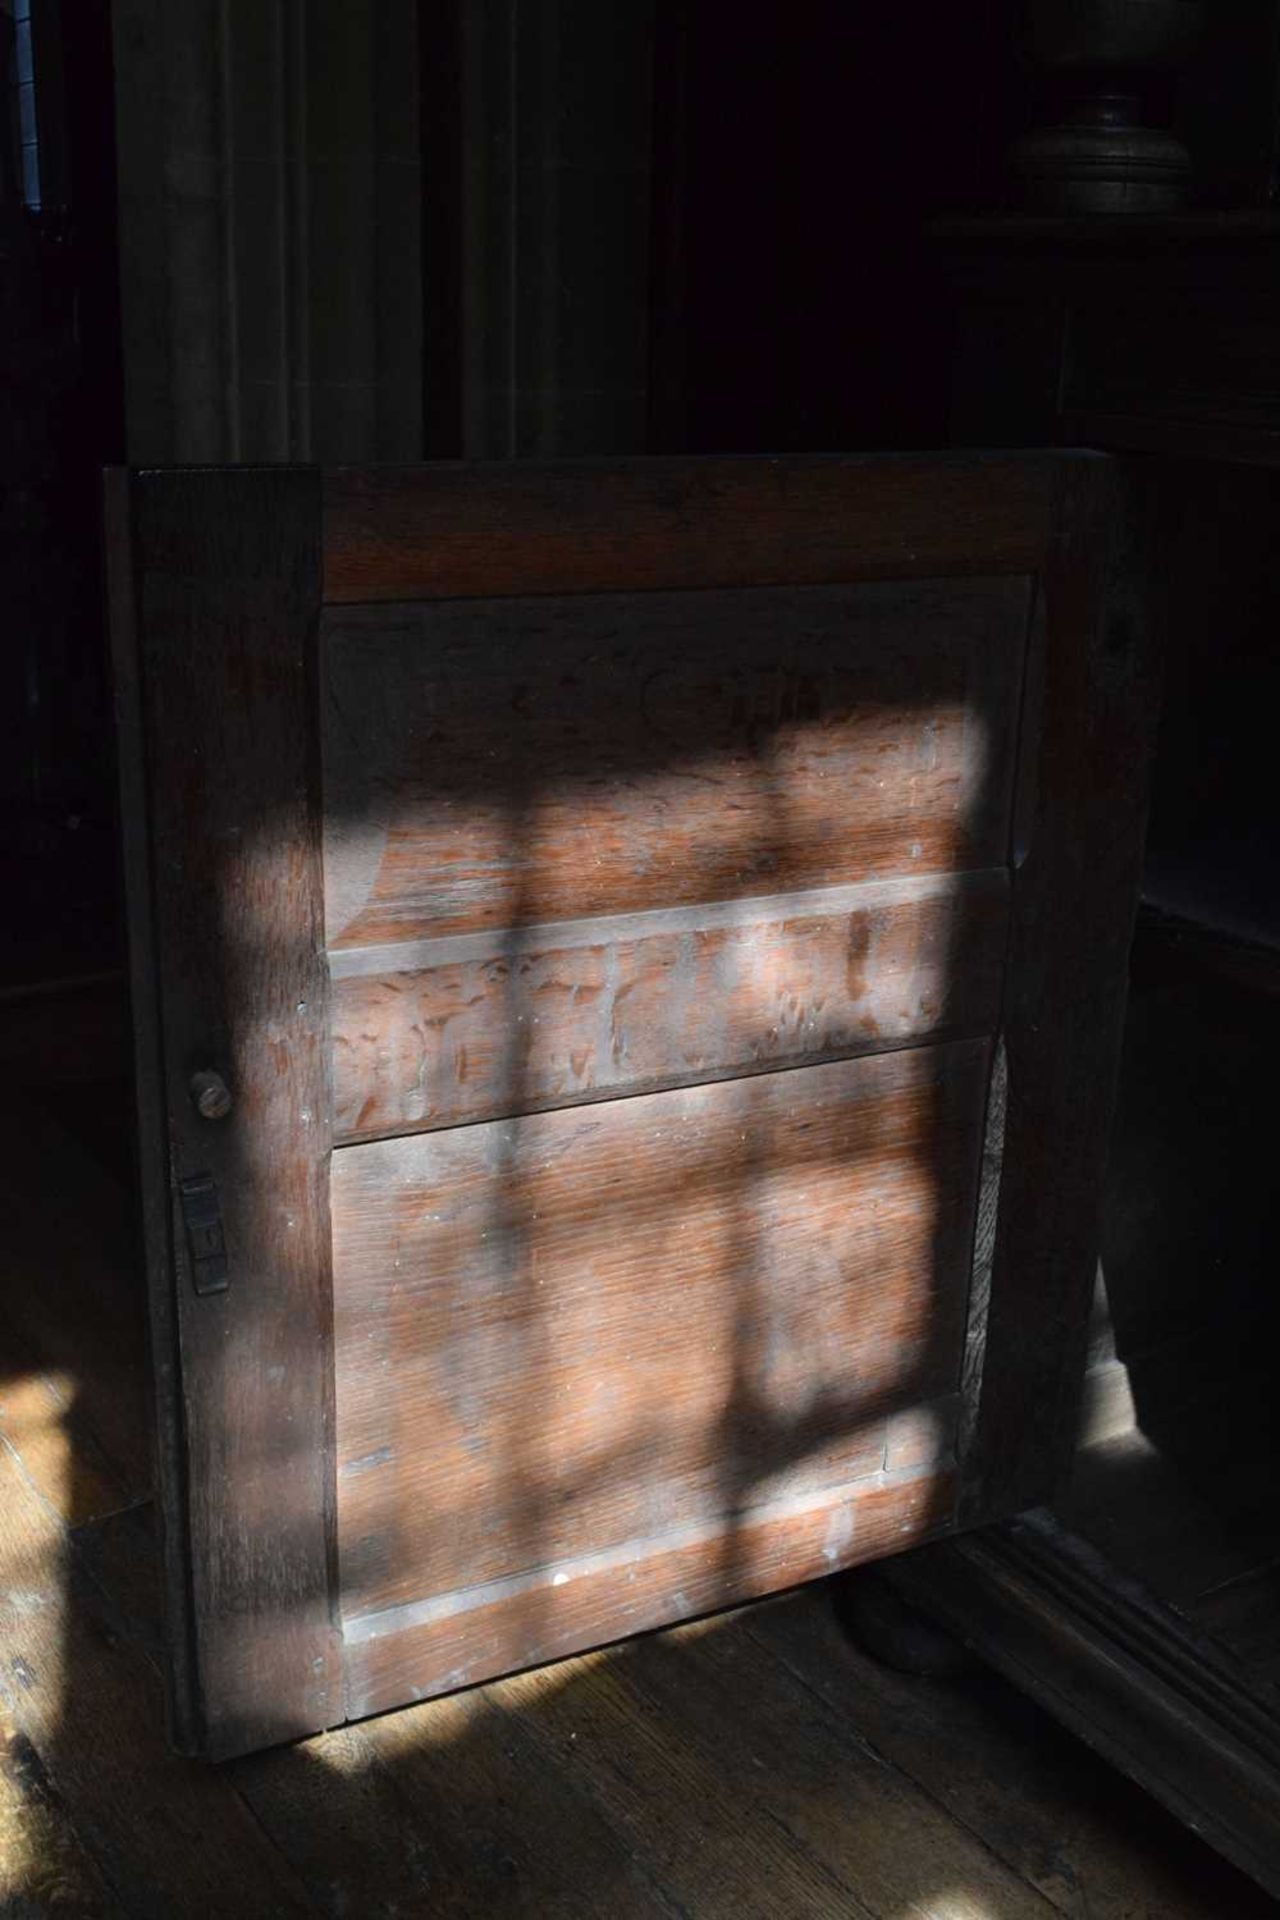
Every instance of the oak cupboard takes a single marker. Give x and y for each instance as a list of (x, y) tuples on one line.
[(628, 960)]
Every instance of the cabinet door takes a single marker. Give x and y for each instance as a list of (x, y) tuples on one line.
[(628, 965)]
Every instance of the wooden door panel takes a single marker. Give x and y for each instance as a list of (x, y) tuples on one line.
[(506, 763), (642, 914), (432, 1033), (464, 530), (503, 1625), (558, 1333)]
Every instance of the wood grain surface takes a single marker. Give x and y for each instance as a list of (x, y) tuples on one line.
[(510, 763), (219, 656), (1135, 1678), (591, 526), (560, 1333), (437, 1032), (1080, 816), (758, 1766), (409, 1653), (661, 795)]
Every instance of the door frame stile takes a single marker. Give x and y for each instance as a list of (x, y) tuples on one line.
[(216, 591), (1079, 823)]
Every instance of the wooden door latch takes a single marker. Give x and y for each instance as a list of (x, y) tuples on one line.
[(202, 1218)]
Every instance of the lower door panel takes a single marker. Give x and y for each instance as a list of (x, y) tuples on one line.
[(609, 1365)]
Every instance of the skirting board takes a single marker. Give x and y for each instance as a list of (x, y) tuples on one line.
[(1123, 1671)]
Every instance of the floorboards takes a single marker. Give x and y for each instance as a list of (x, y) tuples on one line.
[(756, 1765)]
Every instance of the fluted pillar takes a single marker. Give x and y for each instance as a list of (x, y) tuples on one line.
[(270, 223)]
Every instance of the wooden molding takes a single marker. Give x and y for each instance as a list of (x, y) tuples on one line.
[(1120, 1669)]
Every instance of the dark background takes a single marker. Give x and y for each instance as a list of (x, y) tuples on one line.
[(680, 227)]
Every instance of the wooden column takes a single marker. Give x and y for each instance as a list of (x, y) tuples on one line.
[(270, 216), (555, 142)]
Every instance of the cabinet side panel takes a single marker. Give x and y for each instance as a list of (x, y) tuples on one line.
[(1080, 818)]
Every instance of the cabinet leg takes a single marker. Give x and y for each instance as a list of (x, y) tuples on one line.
[(882, 1623)]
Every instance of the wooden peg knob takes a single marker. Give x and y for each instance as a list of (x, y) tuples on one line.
[(210, 1095)]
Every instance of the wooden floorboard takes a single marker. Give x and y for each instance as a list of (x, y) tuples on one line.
[(789, 1761), (45, 1866), (70, 1281), (1087, 1839), (755, 1765)]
